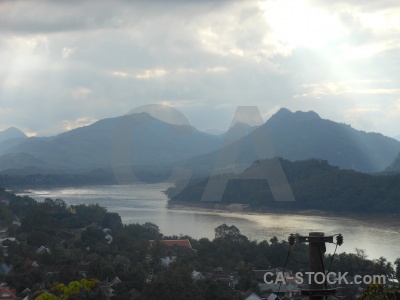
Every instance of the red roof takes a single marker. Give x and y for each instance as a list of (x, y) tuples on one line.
[(178, 243), (28, 262), (7, 293), (220, 276)]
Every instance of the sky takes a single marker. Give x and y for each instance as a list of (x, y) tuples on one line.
[(66, 64)]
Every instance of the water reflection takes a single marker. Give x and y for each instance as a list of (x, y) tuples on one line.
[(146, 203)]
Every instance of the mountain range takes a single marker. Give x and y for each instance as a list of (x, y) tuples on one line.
[(145, 142), (11, 133), (300, 136)]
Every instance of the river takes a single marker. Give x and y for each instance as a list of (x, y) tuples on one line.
[(140, 203)]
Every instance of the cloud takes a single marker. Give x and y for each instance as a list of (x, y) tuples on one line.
[(80, 93), (319, 90), (149, 74), (74, 60), (67, 52), (72, 124)]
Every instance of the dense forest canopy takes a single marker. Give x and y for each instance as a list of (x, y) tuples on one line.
[(75, 244), (315, 185)]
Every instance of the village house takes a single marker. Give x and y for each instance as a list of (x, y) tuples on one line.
[(270, 296), (31, 263), (108, 286), (66, 236), (175, 248), (7, 293), (42, 250), (250, 295), (229, 277), (197, 276)]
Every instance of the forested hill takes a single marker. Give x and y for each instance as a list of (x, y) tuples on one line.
[(394, 166), (136, 139), (315, 185), (300, 136)]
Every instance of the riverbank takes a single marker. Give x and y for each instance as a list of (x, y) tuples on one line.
[(143, 203), (246, 208)]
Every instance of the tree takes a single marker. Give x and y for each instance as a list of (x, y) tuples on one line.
[(37, 238), (229, 232), (134, 277), (121, 292), (147, 231), (247, 279), (274, 240), (6, 216), (36, 219), (12, 230), (112, 221), (174, 283), (55, 206), (214, 290), (61, 291), (382, 266), (380, 292), (91, 236), (361, 254), (152, 229), (397, 264), (88, 214)]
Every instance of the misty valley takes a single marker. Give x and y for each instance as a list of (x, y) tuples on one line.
[(126, 204)]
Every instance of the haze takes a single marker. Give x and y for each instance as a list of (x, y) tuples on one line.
[(66, 64)]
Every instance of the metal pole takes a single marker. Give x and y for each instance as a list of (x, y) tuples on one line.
[(316, 251)]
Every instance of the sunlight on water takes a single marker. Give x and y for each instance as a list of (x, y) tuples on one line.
[(146, 203)]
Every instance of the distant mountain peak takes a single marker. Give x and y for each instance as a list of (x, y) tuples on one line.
[(11, 133), (13, 129), (283, 111), (140, 115), (237, 131), (309, 114), (161, 113)]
